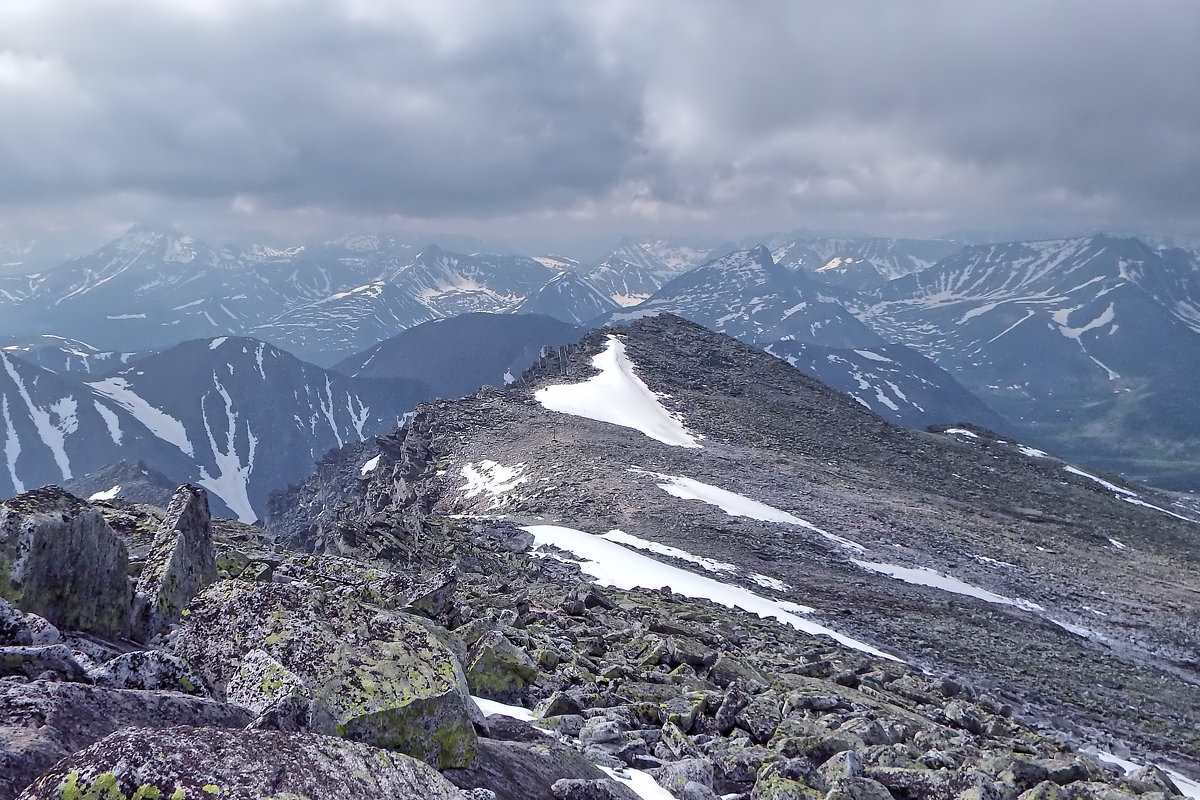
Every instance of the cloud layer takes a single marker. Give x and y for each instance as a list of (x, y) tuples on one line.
[(679, 114)]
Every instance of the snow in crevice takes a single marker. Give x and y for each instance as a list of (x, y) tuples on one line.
[(370, 466), (358, 416), (54, 424), (159, 423), (231, 481), (111, 422), (12, 447), (619, 397), (326, 403), (737, 505), (258, 360), (611, 564), (489, 707)]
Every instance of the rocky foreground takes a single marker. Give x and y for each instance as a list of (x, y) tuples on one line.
[(156, 653)]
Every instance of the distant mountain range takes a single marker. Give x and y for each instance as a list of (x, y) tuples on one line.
[(1087, 346)]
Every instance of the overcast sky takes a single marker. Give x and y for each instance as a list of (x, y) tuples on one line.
[(545, 120)]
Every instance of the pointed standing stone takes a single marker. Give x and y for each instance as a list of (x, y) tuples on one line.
[(180, 564)]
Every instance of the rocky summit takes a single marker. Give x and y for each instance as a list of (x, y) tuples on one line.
[(661, 563)]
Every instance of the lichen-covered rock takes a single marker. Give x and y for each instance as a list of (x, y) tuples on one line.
[(375, 676), (14, 629), (181, 563), (41, 722), (60, 559), (603, 789), (54, 662), (152, 670), (857, 789), (42, 632), (203, 763), (674, 775), (523, 770), (262, 683), (499, 670), (783, 781)]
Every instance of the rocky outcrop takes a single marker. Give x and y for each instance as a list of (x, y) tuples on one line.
[(42, 722), (202, 763), (181, 562), (60, 560), (367, 674)]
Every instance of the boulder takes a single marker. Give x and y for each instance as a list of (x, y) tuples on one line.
[(602, 789), (14, 629), (181, 563), (499, 670), (523, 770), (54, 662), (41, 722), (151, 670), (195, 763), (375, 676), (60, 560)]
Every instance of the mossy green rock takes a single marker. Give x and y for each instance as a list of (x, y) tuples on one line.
[(206, 763), (60, 559), (499, 670), (374, 676)]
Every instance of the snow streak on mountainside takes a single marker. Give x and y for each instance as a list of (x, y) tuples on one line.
[(861, 263), (237, 416), (1091, 341), (633, 272)]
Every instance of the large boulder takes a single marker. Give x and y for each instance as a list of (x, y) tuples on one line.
[(60, 560), (524, 770), (499, 670), (376, 676), (195, 763), (41, 722), (181, 562)]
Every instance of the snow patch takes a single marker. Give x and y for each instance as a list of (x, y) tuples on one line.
[(617, 396), (610, 564), (489, 707), (111, 422), (53, 424), (369, 467), (107, 494), (737, 505), (961, 432), (1189, 787), (159, 423), (922, 576), (867, 354), (215, 343), (640, 783), (1110, 486), (490, 477)]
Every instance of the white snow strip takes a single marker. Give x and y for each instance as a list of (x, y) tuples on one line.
[(617, 396), (640, 783), (160, 424), (490, 477), (620, 537), (1189, 787), (610, 564), (873, 356), (53, 424), (921, 576), (509, 377), (1033, 452), (369, 467), (1110, 486), (258, 360), (489, 707), (217, 342), (961, 432), (1117, 544), (12, 447), (1143, 503), (232, 478), (327, 410), (110, 421), (107, 494), (737, 505)]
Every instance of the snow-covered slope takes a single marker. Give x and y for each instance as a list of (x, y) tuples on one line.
[(862, 263), (568, 297), (1092, 341), (235, 415), (748, 296), (634, 271)]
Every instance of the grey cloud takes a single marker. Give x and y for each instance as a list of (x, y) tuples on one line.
[(902, 116)]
